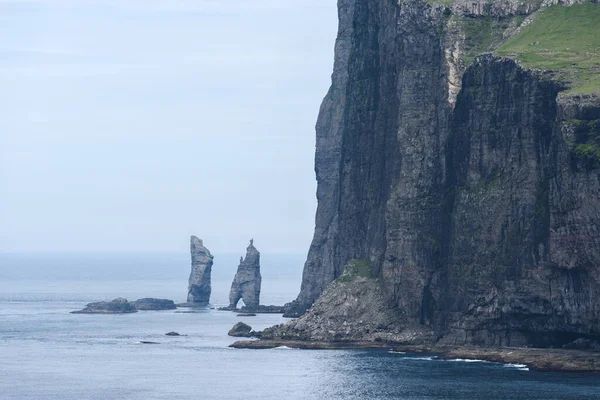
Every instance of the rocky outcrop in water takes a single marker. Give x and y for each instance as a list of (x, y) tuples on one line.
[(468, 182), (241, 330), (116, 306), (149, 304), (200, 278), (247, 281)]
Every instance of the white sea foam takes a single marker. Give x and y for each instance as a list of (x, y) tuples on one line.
[(468, 360), (520, 367), (396, 352)]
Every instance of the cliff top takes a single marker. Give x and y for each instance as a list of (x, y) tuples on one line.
[(564, 40)]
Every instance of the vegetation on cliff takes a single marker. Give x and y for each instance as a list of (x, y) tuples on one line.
[(355, 269), (565, 40)]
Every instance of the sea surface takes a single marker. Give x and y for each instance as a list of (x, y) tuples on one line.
[(48, 353)]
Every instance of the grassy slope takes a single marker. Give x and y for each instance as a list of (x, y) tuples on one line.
[(565, 40)]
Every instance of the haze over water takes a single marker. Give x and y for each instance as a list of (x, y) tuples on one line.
[(47, 353)]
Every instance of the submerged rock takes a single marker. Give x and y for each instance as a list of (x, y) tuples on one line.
[(199, 283), (246, 315), (247, 281), (149, 304), (241, 330), (116, 306)]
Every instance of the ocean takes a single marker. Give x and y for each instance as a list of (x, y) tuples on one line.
[(48, 353)]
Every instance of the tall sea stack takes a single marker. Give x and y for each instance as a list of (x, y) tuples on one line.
[(247, 281), (458, 163), (199, 284)]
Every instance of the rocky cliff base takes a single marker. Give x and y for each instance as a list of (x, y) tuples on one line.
[(352, 308), (545, 360)]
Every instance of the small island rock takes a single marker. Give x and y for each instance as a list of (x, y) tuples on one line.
[(149, 304), (240, 330), (172, 334), (116, 306)]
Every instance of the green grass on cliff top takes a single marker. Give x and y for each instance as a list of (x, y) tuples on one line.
[(565, 40)]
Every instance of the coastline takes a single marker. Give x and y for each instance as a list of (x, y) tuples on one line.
[(543, 360)]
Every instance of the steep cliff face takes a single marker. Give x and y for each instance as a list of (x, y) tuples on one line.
[(524, 250), (469, 182), (379, 155)]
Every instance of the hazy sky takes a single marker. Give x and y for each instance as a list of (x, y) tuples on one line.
[(127, 125)]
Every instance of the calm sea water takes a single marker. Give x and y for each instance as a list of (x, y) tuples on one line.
[(47, 353)]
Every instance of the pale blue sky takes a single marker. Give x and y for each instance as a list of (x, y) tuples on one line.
[(127, 125)]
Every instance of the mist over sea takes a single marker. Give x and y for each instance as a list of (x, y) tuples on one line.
[(93, 277), (48, 353)]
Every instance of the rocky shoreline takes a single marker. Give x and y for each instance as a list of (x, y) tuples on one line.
[(544, 360)]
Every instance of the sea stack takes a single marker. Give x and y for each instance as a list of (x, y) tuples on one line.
[(199, 283), (247, 281)]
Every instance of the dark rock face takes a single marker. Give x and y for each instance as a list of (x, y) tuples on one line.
[(154, 304), (199, 283), (463, 187), (524, 246), (247, 281), (116, 306), (240, 330)]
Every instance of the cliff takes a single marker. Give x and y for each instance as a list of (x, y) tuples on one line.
[(461, 161)]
